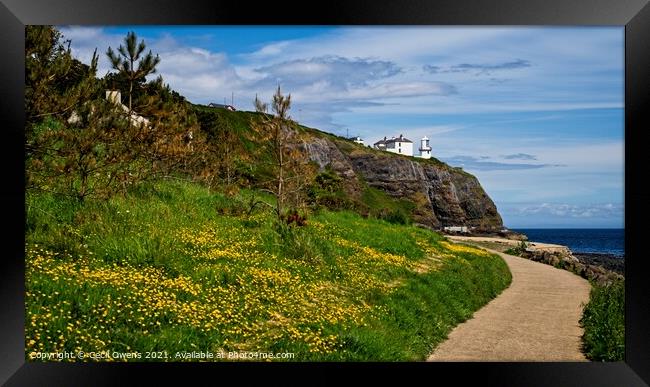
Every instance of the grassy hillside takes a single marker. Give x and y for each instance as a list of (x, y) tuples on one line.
[(330, 192), (173, 267), (239, 121), (405, 204)]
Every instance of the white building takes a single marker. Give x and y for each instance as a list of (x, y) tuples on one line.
[(463, 229), (115, 97), (400, 145), (425, 149), (220, 106), (357, 139)]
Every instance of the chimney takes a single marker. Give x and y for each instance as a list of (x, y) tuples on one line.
[(114, 96)]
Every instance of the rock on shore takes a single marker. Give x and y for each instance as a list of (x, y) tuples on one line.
[(601, 268), (607, 261), (596, 267)]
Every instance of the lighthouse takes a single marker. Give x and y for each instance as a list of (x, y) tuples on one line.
[(425, 149)]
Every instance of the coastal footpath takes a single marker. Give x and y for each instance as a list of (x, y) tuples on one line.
[(535, 319)]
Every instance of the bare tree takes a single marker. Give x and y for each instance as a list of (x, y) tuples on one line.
[(291, 171)]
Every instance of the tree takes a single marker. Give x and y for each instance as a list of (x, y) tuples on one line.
[(55, 82), (228, 146), (176, 144), (128, 56), (260, 106), (225, 159), (290, 169), (57, 86), (99, 152)]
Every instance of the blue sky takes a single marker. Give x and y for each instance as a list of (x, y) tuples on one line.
[(536, 113)]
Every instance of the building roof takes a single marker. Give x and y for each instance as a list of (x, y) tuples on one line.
[(392, 140), (402, 139), (221, 106)]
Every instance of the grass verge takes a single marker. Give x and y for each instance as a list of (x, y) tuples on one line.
[(603, 321), (172, 267)]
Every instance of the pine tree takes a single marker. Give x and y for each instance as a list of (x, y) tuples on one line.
[(126, 60), (99, 152), (55, 82), (57, 86)]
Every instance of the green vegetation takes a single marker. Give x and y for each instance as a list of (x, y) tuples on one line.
[(603, 321), (327, 190), (128, 56), (381, 206), (79, 144), (202, 229), (172, 266), (517, 250)]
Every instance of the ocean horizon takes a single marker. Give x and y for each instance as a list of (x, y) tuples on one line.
[(580, 240)]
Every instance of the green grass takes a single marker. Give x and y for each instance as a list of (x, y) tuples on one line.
[(174, 267), (382, 206), (603, 321)]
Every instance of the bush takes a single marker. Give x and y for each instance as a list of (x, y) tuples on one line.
[(518, 250), (225, 205), (603, 320), (297, 243), (327, 192), (396, 216)]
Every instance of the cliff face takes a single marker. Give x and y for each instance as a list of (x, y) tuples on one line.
[(443, 196)]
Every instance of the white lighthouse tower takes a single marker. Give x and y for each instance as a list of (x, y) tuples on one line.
[(425, 149)]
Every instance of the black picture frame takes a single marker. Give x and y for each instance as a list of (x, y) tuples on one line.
[(633, 14)]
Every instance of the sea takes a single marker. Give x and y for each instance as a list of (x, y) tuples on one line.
[(581, 240)]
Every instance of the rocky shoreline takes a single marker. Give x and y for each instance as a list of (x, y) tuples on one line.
[(597, 267), (609, 262)]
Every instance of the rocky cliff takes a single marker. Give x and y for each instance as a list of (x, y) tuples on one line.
[(443, 195)]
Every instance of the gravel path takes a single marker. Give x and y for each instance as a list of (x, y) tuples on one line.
[(534, 319)]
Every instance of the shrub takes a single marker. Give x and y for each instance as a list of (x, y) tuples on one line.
[(297, 243), (225, 205), (327, 192), (397, 216), (518, 250), (603, 320)]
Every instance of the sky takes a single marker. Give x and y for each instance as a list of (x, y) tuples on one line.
[(536, 113)]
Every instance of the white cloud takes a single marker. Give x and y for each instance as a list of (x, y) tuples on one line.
[(354, 64), (603, 210), (392, 43), (404, 89), (196, 73), (372, 80), (270, 50), (337, 70)]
